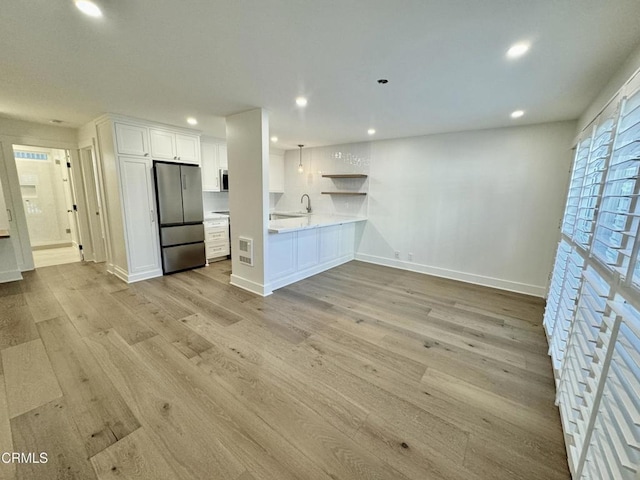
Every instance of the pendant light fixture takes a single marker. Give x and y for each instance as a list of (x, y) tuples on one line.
[(300, 167)]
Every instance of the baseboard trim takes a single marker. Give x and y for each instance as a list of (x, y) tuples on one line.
[(507, 285), (10, 276), (144, 276), (120, 273), (250, 286)]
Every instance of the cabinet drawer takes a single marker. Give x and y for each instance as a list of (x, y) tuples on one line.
[(214, 251), (216, 235), (216, 223)]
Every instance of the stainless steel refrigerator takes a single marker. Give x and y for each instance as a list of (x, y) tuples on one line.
[(179, 198)]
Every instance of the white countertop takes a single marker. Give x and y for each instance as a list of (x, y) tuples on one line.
[(310, 221), (214, 216)]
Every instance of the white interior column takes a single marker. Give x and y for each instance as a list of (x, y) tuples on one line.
[(248, 154)]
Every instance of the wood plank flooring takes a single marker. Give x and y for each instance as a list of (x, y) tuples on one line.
[(362, 372)]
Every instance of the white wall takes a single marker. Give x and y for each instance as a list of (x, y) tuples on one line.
[(481, 206), (248, 154)]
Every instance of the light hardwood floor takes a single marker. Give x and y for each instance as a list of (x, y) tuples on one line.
[(362, 372)]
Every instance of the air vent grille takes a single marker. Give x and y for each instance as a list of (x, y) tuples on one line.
[(245, 247)]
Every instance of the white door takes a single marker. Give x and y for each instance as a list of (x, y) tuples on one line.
[(188, 148), (143, 248), (93, 205), (132, 139), (163, 145)]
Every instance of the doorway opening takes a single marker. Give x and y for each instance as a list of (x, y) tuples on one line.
[(50, 206)]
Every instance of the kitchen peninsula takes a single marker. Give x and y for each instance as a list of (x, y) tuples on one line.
[(302, 246)]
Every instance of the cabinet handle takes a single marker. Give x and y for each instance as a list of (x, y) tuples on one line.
[(10, 215), (152, 217), (146, 154), (184, 182)]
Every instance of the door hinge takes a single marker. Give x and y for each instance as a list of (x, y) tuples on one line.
[(75, 208), (80, 247), (68, 164)]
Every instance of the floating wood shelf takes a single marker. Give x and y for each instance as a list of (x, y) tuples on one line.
[(343, 193), (345, 175)]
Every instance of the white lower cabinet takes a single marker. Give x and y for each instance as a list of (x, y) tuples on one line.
[(302, 253), (216, 238), (143, 250)]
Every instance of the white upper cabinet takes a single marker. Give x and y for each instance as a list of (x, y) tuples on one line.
[(188, 148), (163, 144), (166, 145), (210, 176), (132, 140), (276, 173), (223, 163)]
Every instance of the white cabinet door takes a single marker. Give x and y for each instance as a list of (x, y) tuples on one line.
[(347, 239), (188, 148), (143, 250), (276, 173), (307, 248), (330, 243), (163, 144), (282, 254), (222, 157), (132, 139), (210, 176)]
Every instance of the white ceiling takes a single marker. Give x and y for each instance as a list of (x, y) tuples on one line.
[(164, 60)]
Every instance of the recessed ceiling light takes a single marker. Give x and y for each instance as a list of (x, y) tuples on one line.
[(371, 131), (518, 49), (88, 8), (192, 121), (274, 139), (55, 120), (517, 114), (301, 102)]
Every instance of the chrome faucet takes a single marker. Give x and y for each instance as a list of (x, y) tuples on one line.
[(308, 202)]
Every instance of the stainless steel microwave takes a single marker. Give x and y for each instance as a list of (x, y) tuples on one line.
[(224, 180)]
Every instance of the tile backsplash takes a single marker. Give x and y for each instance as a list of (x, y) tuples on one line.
[(215, 201), (336, 159)]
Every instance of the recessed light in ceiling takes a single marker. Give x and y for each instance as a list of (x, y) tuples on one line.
[(371, 131), (56, 121), (192, 121), (88, 8), (274, 139), (517, 114), (518, 49), (301, 102)]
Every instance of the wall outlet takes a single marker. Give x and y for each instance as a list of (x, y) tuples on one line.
[(411, 257), (397, 254)]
